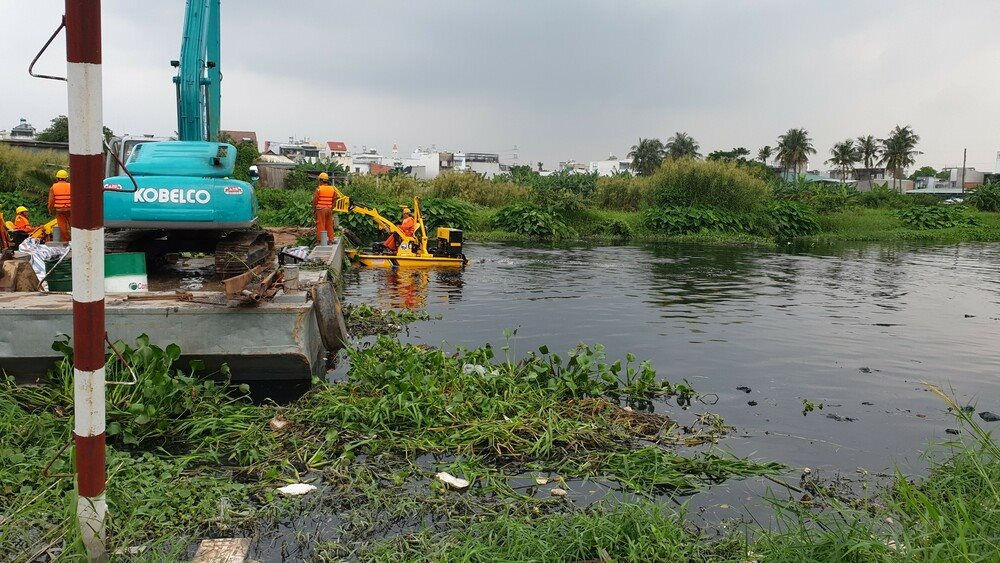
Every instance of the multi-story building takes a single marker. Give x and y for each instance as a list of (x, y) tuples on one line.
[(487, 164), (368, 162), (23, 131), (298, 151)]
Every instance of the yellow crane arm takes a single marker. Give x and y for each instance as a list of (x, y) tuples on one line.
[(381, 221)]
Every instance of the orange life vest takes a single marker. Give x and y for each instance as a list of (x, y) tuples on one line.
[(325, 195), (21, 223), (60, 196), (408, 226)]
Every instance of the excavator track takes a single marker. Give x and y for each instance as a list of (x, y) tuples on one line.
[(240, 251), (126, 241)]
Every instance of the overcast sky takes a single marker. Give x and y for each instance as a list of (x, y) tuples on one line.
[(558, 79)]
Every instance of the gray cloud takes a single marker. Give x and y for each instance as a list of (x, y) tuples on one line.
[(560, 79)]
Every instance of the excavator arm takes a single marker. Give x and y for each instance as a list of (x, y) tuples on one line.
[(199, 73)]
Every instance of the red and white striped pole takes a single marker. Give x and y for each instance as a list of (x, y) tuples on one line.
[(86, 161)]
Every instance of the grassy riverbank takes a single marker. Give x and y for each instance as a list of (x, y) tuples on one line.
[(685, 201), (190, 459)]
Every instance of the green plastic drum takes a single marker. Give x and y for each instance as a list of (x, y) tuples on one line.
[(123, 273), (59, 278)]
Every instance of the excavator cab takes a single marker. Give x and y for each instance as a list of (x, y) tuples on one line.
[(184, 199)]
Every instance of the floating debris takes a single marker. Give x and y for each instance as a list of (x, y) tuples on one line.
[(452, 481), (278, 423), (222, 550), (296, 489), (557, 492), (838, 418), (541, 481)]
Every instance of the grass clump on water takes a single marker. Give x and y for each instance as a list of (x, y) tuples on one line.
[(952, 515), (544, 412), (366, 320)]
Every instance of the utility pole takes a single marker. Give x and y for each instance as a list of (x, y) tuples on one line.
[(964, 151), (86, 161)]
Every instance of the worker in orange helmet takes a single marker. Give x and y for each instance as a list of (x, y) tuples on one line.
[(21, 222), (323, 201), (60, 204), (408, 225)]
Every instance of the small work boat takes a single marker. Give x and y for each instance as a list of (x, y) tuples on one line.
[(411, 248), (397, 261)]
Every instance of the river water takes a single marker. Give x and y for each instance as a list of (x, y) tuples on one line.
[(857, 328)]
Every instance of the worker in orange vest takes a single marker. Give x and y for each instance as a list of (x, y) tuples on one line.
[(21, 222), (323, 200), (60, 204), (408, 225)]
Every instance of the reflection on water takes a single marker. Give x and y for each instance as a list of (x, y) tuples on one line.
[(407, 288), (856, 327)]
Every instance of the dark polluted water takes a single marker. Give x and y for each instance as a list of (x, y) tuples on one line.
[(856, 328)]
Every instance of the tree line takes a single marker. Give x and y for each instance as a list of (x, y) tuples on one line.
[(895, 152)]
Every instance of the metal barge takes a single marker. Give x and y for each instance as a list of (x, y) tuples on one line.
[(285, 337)]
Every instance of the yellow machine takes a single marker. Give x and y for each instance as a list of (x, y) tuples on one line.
[(411, 250), (12, 238)]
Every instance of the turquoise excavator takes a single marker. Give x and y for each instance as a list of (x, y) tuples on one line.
[(163, 196)]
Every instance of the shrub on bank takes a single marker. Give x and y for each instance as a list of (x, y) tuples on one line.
[(285, 208), (721, 185), (622, 192), (986, 197), (616, 230), (450, 212), (532, 220), (687, 220), (936, 217), (473, 188), (386, 187), (787, 220), (28, 172), (883, 197)]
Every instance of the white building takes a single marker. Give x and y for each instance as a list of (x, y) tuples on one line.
[(487, 164), (610, 166), (573, 166), (336, 151), (423, 164), (367, 161)]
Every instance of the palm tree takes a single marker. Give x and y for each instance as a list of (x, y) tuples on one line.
[(765, 153), (647, 155), (868, 150), (899, 150), (682, 145), (794, 148), (843, 155)]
